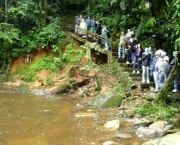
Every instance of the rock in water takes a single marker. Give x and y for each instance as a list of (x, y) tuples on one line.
[(113, 125), (110, 143), (85, 114), (109, 99)]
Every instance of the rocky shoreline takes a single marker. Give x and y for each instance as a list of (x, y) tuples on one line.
[(91, 84)]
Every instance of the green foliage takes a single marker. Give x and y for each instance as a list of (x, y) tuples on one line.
[(47, 81), (175, 9), (27, 74), (114, 67), (50, 35), (125, 82), (47, 63), (89, 66), (28, 42), (144, 21), (156, 111), (71, 54), (9, 35), (50, 63)]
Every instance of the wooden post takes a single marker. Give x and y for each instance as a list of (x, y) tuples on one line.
[(88, 54), (110, 56)]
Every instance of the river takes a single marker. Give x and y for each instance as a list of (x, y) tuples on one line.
[(28, 119)]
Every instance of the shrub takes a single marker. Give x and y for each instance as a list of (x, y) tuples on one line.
[(72, 55), (156, 111), (47, 63)]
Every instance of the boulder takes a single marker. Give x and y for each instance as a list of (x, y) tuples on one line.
[(158, 126), (171, 139), (146, 132), (113, 125), (108, 99)]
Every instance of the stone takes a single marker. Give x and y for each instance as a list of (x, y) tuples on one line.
[(170, 139), (158, 126), (110, 143), (108, 99), (127, 113), (85, 114), (113, 125), (142, 122), (146, 132), (150, 96), (123, 135), (46, 112)]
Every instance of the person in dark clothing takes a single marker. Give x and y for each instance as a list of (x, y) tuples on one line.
[(146, 59), (88, 23), (133, 48), (172, 64), (98, 32), (128, 52), (137, 58)]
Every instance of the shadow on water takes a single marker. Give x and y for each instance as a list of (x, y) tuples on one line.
[(27, 119)]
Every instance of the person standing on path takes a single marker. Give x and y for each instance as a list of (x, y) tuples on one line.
[(163, 71), (146, 59), (121, 50), (104, 34), (155, 67), (83, 28), (172, 64), (137, 59), (98, 32)]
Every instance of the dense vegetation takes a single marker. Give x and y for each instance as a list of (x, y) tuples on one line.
[(26, 25)]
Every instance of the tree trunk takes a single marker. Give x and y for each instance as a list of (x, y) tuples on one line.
[(5, 7), (162, 95)]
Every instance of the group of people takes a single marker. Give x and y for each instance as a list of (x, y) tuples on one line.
[(155, 65), (93, 26), (161, 66)]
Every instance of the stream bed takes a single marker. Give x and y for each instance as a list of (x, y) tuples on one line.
[(28, 119)]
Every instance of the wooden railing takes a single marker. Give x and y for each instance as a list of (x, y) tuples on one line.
[(88, 35)]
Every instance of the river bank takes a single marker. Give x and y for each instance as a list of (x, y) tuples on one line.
[(84, 81)]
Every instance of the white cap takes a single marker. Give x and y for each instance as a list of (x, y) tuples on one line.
[(166, 58), (158, 52), (146, 49), (175, 52), (163, 53)]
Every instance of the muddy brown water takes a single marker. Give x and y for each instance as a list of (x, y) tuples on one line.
[(27, 119)]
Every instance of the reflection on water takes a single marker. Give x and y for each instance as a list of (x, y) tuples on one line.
[(27, 119)]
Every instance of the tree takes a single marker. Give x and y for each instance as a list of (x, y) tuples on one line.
[(162, 95)]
